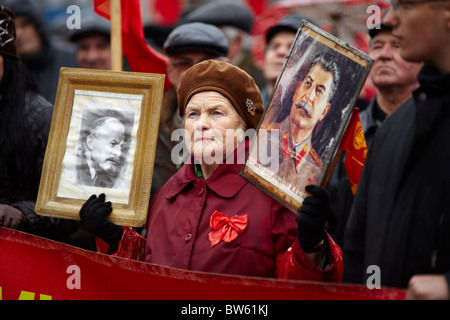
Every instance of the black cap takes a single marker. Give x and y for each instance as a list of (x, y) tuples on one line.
[(221, 14), (288, 23), (92, 24), (197, 36), (380, 27)]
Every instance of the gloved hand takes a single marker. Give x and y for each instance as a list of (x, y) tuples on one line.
[(316, 209), (11, 217), (93, 215)]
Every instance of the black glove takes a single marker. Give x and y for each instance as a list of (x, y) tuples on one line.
[(93, 215), (311, 217)]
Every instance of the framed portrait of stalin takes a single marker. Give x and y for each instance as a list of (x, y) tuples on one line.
[(306, 116), (102, 140)]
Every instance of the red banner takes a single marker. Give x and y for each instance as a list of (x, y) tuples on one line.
[(41, 269)]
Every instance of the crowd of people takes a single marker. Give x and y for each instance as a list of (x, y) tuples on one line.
[(204, 216)]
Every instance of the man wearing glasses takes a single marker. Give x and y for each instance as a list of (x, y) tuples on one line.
[(400, 220)]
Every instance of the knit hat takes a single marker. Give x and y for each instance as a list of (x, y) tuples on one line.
[(8, 32), (32, 11), (230, 81)]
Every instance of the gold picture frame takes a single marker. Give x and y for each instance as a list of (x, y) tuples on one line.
[(131, 102), (281, 164)]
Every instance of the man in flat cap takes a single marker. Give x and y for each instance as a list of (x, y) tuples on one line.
[(186, 45), (236, 21), (93, 43)]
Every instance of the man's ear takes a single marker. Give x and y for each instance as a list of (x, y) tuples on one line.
[(90, 142), (325, 111)]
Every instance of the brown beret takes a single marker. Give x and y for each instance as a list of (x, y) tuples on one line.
[(230, 81)]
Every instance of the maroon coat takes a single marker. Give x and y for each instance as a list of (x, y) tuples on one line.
[(179, 228)]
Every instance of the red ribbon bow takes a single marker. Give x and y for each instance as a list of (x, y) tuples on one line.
[(225, 228)]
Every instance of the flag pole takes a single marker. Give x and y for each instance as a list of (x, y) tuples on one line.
[(116, 35)]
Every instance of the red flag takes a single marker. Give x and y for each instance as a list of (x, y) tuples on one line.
[(257, 6), (354, 142), (140, 56), (166, 12)]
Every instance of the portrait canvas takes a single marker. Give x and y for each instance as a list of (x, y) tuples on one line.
[(113, 166), (306, 116), (102, 140)]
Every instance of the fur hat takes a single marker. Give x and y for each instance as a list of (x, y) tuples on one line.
[(230, 81), (8, 32)]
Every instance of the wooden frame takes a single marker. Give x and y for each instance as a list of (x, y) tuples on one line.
[(281, 164), (84, 95)]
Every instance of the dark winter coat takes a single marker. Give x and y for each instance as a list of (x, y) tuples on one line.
[(22, 196), (400, 220), (339, 184)]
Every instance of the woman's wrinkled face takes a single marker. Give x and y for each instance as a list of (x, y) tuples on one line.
[(213, 127)]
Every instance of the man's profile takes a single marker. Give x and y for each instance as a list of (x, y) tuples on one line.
[(101, 160), (300, 164)]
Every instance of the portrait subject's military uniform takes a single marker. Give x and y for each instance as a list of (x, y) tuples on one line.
[(300, 164)]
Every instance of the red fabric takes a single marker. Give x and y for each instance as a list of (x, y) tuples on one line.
[(33, 267), (257, 6), (166, 12), (354, 143), (225, 228), (131, 246), (140, 56), (295, 265)]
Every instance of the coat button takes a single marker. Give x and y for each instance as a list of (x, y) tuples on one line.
[(188, 237), (200, 193)]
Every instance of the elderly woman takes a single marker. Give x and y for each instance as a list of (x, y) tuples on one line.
[(209, 218)]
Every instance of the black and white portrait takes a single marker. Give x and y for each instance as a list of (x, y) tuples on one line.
[(103, 148), (101, 143)]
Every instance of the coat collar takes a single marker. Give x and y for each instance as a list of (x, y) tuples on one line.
[(225, 180)]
